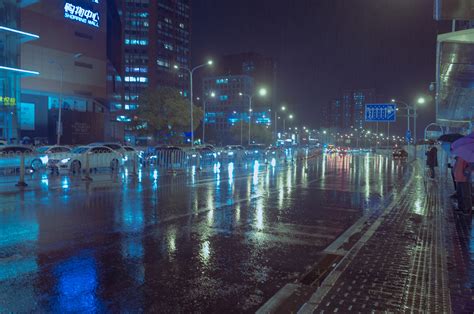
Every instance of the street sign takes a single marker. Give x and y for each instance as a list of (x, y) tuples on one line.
[(380, 113)]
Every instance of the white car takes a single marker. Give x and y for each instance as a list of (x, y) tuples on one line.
[(10, 157), (54, 153), (130, 154), (96, 156)]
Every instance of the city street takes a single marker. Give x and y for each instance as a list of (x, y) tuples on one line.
[(222, 240)]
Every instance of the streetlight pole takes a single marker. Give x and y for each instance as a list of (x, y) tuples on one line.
[(59, 130), (191, 72), (407, 106), (204, 118), (262, 92), (250, 112)]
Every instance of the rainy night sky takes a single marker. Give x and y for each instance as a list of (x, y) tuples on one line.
[(325, 46)]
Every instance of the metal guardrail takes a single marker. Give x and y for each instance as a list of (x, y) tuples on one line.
[(19, 165)]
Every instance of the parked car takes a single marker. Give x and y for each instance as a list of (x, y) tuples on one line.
[(399, 154), (130, 154), (10, 157), (55, 154), (98, 157)]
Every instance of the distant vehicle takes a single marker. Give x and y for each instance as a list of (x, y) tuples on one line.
[(331, 149), (233, 152), (400, 154), (98, 157), (256, 150), (343, 150), (10, 157), (274, 152)]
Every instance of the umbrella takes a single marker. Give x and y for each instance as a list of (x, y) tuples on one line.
[(450, 137), (466, 140), (464, 148)]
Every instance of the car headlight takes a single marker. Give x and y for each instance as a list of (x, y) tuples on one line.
[(65, 160)]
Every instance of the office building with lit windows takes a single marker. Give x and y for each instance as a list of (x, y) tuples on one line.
[(79, 65), (156, 37), (12, 121), (226, 105), (348, 111)]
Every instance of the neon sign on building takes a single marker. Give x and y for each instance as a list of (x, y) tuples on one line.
[(80, 14)]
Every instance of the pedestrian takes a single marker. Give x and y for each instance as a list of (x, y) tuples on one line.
[(451, 167), (462, 175), (432, 160)]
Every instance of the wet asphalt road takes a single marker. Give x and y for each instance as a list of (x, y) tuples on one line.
[(224, 240)]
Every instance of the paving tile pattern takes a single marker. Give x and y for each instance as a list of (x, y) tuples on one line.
[(402, 266)]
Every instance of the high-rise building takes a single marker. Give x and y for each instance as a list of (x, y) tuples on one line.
[(261, 68), (224, 104), (11, 71), (79, 67), (348, 110), (354, 102), (156, 37)]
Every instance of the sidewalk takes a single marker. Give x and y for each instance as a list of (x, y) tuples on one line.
[(416, 256)]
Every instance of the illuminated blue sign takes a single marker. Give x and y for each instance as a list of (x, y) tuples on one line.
[(80, 14), (380, 112)]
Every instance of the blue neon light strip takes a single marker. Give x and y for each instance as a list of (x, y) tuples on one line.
[(18, 32), (18, 70)]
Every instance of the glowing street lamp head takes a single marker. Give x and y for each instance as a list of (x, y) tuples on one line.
[(262, 92), (210, 62), (291, 116), (240, 94), (421, 100), (176, 67), (213, 94), (283, 108), (394, 101), (324, 132)]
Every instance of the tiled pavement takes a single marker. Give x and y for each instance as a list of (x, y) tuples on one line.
[(416, 257)]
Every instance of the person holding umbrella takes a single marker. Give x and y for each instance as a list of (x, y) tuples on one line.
[(462, 175), (463, 148), (432, 160)]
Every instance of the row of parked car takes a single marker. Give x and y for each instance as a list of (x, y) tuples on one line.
[(114, 155), (57, 157)]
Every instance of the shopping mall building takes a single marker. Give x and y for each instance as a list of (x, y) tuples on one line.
[(60, 51)]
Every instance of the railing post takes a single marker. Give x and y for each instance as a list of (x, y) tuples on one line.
[(87, 174), (21, 181)]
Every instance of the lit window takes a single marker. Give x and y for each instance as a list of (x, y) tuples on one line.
[(138, 79)]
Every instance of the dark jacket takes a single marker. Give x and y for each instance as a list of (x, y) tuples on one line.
[(432, 157)]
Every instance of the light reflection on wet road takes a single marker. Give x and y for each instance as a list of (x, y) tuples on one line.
[(224, 240)]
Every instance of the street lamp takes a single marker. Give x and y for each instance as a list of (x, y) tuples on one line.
[(59, 129), (283, 108), (191, 72), (212, 95), (262, 92)]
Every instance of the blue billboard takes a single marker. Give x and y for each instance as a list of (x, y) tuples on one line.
[(380, 113)]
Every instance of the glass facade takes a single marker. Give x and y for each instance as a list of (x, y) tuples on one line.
[(10, 71), (156, 37)]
